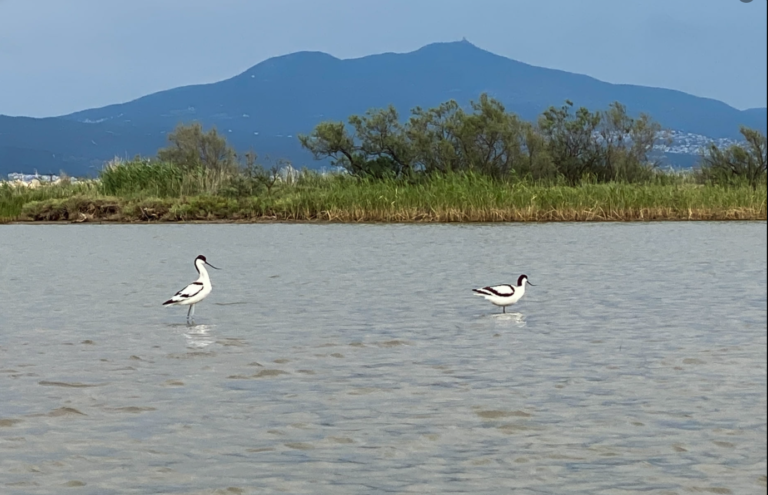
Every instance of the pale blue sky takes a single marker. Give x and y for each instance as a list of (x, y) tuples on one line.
[(59, 56)]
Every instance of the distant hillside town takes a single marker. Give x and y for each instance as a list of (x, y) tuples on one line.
[(687, 143)]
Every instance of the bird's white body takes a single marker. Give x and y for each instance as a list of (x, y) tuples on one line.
[(194, 292), (505, 294)]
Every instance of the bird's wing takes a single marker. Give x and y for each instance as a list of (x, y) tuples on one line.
[(185, 293), (504, 290)]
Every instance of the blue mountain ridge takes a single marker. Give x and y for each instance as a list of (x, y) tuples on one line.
[(265, 107)]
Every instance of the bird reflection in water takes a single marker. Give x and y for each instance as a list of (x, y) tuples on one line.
[(198, 336), (516, 318)]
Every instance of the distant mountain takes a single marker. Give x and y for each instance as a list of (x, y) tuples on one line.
[(266, 106), (55, 144), (757, 114)]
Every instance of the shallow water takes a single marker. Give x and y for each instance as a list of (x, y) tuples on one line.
[(348, 359)]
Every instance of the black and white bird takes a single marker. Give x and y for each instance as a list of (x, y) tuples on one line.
[(194, 292), (505, 294)]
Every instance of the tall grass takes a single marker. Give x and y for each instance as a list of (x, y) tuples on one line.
[(143, 178), (13, 198), (141, 191), (139, 178), (467, 198)]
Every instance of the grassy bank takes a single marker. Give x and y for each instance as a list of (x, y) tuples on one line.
[(339, 198)]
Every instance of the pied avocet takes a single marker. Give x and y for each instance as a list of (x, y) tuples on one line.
[(505, 294), (194, 292)]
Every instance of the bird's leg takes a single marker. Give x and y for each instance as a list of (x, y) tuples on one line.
[(189, 311), (504, 309)]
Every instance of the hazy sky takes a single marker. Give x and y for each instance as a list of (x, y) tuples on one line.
[(59, 56)]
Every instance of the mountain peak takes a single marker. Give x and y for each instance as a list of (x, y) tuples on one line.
[(267, 105), (305, 59), (463, 44)]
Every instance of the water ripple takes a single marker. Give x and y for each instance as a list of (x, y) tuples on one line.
[(360, 362)]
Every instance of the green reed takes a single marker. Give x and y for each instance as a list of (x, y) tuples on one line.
[(156, 191)]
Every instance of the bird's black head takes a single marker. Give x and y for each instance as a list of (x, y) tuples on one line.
[(522, 279), (202, 258)]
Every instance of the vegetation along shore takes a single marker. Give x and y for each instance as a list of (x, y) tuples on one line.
[(443, 164)]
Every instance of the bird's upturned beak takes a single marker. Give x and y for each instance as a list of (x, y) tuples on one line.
[(212, 265), (530, 283)]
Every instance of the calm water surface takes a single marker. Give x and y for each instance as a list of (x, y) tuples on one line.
[(347, 359)]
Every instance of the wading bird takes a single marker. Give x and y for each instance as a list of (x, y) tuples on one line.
[(505, 294), (194, 292)]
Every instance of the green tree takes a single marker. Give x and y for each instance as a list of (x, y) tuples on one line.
[(433, 140), (254, 178), (537, 162), (490, 138), (378, 146), (571, 143), (193, 149), (737, 163), (331, 140), (383, 143), (626, 143)]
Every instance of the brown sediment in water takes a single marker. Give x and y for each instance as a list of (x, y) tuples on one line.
[(68, 384), (65, 411)]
